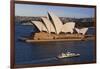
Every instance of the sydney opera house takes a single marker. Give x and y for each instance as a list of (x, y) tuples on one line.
[(51, 27)]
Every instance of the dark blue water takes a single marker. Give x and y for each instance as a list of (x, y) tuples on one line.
[(45, 52)]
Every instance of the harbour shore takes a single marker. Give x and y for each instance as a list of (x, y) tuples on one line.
[(52, 40)]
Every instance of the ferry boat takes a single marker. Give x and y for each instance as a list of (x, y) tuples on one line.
[(68, 55)]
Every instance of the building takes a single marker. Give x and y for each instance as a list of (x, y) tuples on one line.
[(53, 24)]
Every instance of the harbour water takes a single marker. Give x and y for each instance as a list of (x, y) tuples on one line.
[(46, 52)]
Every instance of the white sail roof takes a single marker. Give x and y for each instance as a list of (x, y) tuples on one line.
[(83, 30), (48, 25), (56, 22), (68, 27), (53, 24), (39, 25), (78, 30)]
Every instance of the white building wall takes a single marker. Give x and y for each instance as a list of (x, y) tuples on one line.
[(56, 22), (68, 27), (48, 25), (39, 25), (83, 30)]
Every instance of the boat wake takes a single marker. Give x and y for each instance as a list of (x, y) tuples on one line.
[(39, 61)]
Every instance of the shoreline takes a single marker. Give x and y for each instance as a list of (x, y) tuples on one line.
[(52, 40), (30, 40)]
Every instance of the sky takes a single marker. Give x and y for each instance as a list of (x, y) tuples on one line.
[(60, 11)]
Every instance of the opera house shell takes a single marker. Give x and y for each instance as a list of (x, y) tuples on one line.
[(53, 24)]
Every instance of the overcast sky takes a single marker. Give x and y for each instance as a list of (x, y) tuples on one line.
[(61, 11)]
